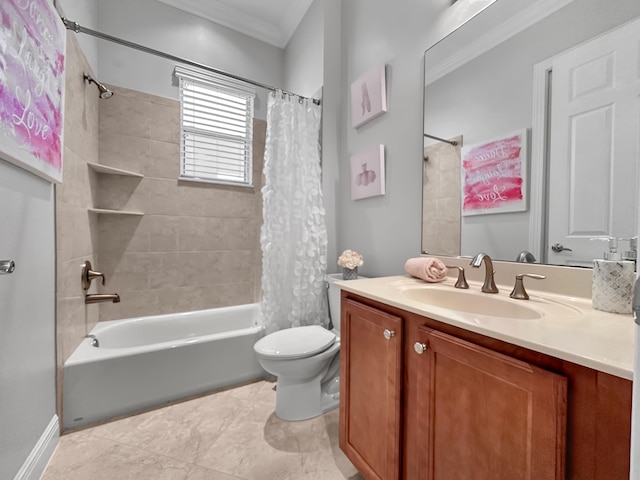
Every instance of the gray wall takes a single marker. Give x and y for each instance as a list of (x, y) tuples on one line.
[(303, 54), (27, 316), (84, 12), (167, 29), (386, 229)]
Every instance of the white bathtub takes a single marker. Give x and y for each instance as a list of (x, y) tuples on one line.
[(148, 361)]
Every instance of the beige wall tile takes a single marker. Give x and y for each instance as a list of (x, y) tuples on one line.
[(164, 231), (164, 159), (197, 246), (209, 233), (133, 272), (163, 270), (133, 118), (117, 192), (64, 230), (162, 195), (120, 234), (139, 303), (164, 122)]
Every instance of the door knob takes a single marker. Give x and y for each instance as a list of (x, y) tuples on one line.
[(7, 267), (558, 247), (388, 333), (420, 348)]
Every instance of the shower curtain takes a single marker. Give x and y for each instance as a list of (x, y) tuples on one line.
[(293, 235)]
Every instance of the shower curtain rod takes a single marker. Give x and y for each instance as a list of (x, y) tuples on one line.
[(77, 28), (450, 142)]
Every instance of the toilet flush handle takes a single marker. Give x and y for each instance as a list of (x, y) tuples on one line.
[(388, 333)]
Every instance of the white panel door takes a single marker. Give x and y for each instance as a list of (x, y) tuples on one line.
[(594, 145), (27, 315)]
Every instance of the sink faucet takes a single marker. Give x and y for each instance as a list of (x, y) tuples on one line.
[(525, 257), (489, 285)]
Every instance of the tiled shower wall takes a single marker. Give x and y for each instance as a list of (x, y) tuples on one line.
[(441, 199), (197, 245), (76, 228)]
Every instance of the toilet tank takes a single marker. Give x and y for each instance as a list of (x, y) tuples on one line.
[(334, 298)]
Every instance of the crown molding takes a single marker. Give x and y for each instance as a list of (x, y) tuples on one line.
[(509, 28), (292, 18), (222, 14)]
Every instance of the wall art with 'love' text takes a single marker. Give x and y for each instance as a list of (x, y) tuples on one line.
[(32, 60), (494, 175)]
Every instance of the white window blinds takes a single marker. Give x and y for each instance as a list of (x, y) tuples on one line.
[(216, 129)]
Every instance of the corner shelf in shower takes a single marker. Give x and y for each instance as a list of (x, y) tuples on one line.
[(105, 211), (112, 170)]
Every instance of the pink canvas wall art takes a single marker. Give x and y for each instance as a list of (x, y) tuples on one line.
[(494, 175), (367, 173), (368, 96), (32, 59)]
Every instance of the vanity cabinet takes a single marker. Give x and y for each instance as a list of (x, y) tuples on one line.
[(438, 402), (480, 414), (370, 413)]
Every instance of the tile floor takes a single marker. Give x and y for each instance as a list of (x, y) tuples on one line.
[(230, 435)]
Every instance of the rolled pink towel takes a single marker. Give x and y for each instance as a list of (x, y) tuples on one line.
[(429, 269)]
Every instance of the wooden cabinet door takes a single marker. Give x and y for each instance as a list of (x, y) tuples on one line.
[(485, 416), (370, 390)]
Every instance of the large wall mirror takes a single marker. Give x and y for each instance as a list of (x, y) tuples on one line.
[(532, 111)]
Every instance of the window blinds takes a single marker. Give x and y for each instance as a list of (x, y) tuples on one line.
[(216, 128)]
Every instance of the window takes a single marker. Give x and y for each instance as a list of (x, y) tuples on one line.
[(216, 127)]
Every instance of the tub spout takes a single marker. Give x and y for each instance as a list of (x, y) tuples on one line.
[(101, 297)]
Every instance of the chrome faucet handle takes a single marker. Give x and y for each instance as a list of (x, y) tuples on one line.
[(518, 292), (462, 281), (88, 275)]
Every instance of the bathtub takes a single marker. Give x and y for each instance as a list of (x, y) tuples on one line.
[(149, 361)]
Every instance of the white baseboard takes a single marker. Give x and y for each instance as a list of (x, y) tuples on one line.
[(36, 462)]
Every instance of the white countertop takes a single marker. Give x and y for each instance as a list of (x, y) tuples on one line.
[(568, 327)]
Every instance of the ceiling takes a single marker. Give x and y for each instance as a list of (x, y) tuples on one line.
[(272, 21)]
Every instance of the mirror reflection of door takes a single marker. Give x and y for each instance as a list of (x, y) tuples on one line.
[(593, 157)]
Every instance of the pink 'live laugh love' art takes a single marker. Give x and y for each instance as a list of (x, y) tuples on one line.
[(494, 175), (32, 58)]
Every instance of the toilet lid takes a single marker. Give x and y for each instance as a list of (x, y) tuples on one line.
[(297, 342)]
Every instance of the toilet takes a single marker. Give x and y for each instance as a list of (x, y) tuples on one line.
[(306, 361)]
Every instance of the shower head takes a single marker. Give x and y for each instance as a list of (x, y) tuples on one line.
[(104, 91)]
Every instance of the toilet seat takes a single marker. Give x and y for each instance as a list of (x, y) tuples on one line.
[(297, 342)]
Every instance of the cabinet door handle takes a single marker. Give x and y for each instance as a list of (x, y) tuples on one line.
[(388, 333), (7, 266), (420, 348)]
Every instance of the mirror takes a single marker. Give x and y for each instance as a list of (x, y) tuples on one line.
[(561, 79)]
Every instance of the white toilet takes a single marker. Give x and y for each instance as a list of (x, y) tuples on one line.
[(306, 361)]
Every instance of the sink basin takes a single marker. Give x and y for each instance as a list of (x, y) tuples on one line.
[(474, 302), (471, 302)]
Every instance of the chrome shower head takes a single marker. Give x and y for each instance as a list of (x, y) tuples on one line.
[(104, 91)]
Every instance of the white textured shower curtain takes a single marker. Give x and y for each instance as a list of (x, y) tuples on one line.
[(294, 234)]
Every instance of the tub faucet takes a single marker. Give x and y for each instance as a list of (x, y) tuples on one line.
[(101, 297), (489, 285)]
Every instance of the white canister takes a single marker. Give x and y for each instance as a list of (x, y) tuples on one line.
[(612, 285)]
